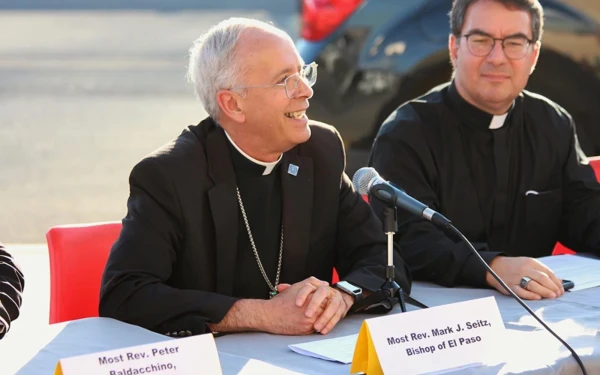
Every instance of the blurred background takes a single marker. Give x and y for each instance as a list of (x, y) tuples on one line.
[(89, 87)]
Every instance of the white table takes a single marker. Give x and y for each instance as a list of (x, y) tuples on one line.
[(575, 316)]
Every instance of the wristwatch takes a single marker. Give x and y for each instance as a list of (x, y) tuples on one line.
[(351, 289)]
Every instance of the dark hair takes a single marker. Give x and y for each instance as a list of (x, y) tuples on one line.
[(460, 7)]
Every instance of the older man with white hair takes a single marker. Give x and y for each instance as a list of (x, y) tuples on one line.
[(238, 223)]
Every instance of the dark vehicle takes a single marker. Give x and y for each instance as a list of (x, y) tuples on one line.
[(374, 55)]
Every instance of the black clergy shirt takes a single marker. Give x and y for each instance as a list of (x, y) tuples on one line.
[(514, 190), (262, 199), (486, 143)]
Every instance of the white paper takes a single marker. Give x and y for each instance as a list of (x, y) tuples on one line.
[(437, 339), (255, 366), (583, 271), (339, 349)]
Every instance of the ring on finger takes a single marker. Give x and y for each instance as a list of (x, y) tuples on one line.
[(524, 282)]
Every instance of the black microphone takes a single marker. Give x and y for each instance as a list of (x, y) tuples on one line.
[(368, 182)]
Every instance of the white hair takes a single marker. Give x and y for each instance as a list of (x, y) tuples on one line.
[(213, 64)]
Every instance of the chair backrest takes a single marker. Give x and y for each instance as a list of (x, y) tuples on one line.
[(559, 248), (595, 164), (78, 254)]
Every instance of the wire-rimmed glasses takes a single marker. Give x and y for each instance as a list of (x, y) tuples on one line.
[(308, 74)]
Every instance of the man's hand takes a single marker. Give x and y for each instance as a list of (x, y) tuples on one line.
[(337, 307), (320, 304), (284, 314), (299, 309), (543, 284)]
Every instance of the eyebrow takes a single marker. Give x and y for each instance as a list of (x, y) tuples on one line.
[(481, 32), (285, 71)]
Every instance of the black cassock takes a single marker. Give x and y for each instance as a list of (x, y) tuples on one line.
[(513, 185)]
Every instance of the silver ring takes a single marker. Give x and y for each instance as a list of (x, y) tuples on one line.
[(524, 282)]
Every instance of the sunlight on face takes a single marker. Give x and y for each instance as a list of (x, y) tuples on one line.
[(492, 82), (271, 115)]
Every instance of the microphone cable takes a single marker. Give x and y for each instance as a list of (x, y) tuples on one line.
[(457, 232), (363, 180)]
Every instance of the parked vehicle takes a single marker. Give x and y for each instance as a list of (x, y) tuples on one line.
[(374, 55)]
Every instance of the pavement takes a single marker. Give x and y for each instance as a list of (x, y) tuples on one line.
[(85, 94)]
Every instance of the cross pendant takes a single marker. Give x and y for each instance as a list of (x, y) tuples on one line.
[(272, 294)]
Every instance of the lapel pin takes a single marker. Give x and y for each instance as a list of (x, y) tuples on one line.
[(293, 169)]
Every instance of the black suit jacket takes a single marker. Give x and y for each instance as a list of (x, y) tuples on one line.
[(172, 268), (11, 288)]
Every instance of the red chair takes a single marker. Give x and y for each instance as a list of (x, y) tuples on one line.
[(559, 248), (335, 278), (78, 254)]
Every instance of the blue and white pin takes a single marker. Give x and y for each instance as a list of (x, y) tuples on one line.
[(293, 169)]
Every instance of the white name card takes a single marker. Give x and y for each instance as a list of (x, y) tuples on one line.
[(429, 340), (191, 355)]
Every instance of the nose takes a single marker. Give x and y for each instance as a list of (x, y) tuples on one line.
[(304, 90), (496, 55)]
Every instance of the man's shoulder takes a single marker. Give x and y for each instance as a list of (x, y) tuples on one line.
[(547, 116), (413, 115), (176, 152), (540, 105), (323, 137), (183, 150), (183, 144), (321, 131), (325, 144)]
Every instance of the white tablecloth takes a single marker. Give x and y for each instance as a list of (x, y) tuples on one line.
[(574, 316)]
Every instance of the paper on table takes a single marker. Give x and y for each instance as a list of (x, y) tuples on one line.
[(255, 366), (339, 349), (583, 271)]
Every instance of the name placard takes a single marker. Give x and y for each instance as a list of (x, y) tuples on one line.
[(191, 355), (429, 340)]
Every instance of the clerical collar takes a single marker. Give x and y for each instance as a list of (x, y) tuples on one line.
[(267, 167), (473, 116)]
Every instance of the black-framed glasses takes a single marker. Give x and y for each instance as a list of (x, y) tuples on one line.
[(308, 74), (514, 47)]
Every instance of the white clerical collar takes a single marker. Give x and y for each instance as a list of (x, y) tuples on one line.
[(268, 166), (498, 121)]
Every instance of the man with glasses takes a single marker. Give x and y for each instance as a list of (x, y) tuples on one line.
[(238, 224), (502, 163)]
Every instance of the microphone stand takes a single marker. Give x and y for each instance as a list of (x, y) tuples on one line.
[(390, 227)]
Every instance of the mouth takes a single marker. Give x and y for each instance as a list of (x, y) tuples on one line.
[(495, 77), (296, 115)]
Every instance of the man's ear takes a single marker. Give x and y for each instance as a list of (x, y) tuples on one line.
[(453, 45), (229, 103), (535, 54)]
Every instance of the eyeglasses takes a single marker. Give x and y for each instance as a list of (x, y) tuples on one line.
[(308, 74), (515, 47)]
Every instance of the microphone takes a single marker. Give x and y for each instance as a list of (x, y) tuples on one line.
[(368, 182)]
